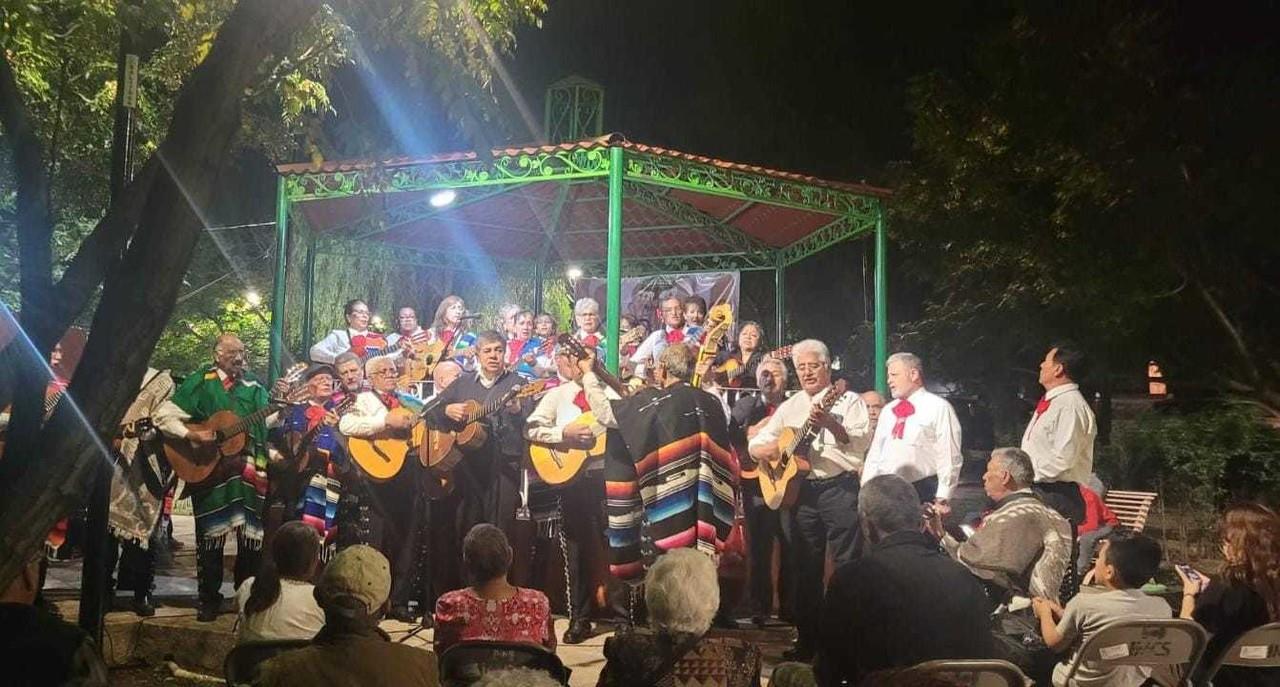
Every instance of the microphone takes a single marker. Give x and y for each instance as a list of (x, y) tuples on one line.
[(469, 317)]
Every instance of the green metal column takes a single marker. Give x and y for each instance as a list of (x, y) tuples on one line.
[(308, 294), (278, 285), (537, 287), (613, 277), (882, 302), (779, 302)]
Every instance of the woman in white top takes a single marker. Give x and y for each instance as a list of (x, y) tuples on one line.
[(280, 603)]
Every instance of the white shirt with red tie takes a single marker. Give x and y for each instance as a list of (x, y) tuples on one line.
[(1060, 436), (925, 443)]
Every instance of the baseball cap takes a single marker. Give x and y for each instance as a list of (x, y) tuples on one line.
[(357, 572)]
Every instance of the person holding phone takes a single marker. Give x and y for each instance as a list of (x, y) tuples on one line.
[(1244, 596)]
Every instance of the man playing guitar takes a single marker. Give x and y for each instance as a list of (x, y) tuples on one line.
[(574, 511), (307, 484), (764, 524), (231, 501), (350, 372), (391, 506)]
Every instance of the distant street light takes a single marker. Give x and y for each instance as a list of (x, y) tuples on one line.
[(440, 199), (573, 273), (252, 298)]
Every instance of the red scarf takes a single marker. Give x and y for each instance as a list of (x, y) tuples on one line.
[(1041, 406), (514, 347), (580, 400), (591, 341), (902, 411), (675, 336), (389, 399), (447, 337), (314, 415)]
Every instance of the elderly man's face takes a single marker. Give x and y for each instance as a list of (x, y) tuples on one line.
[(995, 481), (382, 376), (813, 373), (445, 374), (321, 387), (875, 403), (229, 356), (770, 377), (902, 379), (350, 375), (1050, 368)]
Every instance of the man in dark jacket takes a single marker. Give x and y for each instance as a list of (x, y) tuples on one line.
[(903, 602), (350, 649)]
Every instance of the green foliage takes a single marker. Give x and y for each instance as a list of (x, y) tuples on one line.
[(188, 341), (1199, 459), (1080, 176)]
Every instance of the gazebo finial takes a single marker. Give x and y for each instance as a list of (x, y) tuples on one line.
[(574, 110)]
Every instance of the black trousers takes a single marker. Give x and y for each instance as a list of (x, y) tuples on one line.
[(489, 484), (389, 519), (137, 566), (764, 526), (209, 564), (826, 520), (581, 520)]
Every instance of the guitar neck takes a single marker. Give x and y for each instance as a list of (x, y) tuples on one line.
[(256, 416)]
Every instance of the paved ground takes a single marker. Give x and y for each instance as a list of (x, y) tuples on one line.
[(141, 647)]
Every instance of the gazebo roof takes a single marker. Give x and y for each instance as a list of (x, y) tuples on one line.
[(549, 204)]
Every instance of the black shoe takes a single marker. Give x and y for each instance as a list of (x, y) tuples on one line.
[(402, 614), (724, 621), (578, 632), (428, 621), (800, 653), (208, 611), (760, 621), (142, 607)]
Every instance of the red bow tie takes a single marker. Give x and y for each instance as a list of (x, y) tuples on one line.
[(390, 401), (675, 336), (902, 411), (591, 341)]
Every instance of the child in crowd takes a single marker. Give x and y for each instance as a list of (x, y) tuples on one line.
[(1124, 564)]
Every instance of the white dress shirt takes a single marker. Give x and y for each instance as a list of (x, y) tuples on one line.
[(656, 343), (1060, 441), (827, 457), (555, 410), (338, 342), (930, 443), (366, 418)]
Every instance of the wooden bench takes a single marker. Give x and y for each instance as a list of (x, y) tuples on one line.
[(1131, 507)]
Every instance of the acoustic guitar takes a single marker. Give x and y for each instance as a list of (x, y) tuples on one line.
[(730, 370), (419, 366), (780, 478), (299, 451), (444, 447), (719, 320), (195, 463)]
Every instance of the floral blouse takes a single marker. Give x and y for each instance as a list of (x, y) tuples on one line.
[(463, 616)]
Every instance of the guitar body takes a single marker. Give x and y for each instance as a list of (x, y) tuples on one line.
[(438, 451), (558, 466), (473, 435), (780, 480), (382, 456), (195, 464)]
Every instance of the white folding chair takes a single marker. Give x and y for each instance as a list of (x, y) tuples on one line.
[(1257, 648), (975, 673), (1147, 643)]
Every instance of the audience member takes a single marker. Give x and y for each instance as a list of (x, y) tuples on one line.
[(491, 609), (877, 605), (793, 674), (1023, 547), (516, 677), (350, 649), (682, 595), (1246, 594), (37, 648), (1125, 562), (280, 602), (1098, 522)]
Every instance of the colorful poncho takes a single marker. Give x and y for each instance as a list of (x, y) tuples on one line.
[(231, 500), (317, 505), (674, 476)]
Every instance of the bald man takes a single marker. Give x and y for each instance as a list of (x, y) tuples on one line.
[(230, 502)]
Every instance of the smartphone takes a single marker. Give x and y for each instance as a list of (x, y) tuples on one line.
[(1186, 570)]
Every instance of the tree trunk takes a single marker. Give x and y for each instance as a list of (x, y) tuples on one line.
[(139, 295)]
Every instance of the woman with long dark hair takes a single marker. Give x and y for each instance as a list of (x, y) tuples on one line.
[(280, 602), (1244, 596)]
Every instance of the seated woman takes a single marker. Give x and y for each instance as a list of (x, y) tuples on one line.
[(280, 602), (682, 594), (491, 609), (1244, 596)]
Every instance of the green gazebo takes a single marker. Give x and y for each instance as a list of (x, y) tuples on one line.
[(599, 202)]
